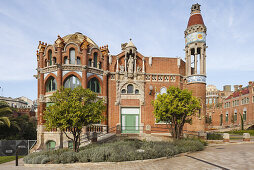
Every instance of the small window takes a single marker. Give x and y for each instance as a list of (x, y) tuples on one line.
[(89, 62), (123, 91), (130, 88), (78, 61), (65, 60), (54, 60), (100, 65), (136, 91), (51, 84), (45, 63), (235, 116)]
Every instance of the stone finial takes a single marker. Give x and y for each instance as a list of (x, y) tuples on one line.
[(59, 42), (246, 137), (150, 60), (226, 137), (41, 47), (104, 50), (84, 45)]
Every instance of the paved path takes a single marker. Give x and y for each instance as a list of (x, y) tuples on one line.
[(230, 156)]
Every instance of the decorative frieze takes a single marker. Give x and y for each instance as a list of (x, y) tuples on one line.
[(48, 69)]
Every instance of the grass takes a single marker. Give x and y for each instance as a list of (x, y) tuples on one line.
[(117, 151), (4, 159), (240, 132)]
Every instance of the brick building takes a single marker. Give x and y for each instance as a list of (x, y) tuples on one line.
[(128, 81), (224, 107)]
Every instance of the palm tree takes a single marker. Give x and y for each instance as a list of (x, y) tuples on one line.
[(6, 110)]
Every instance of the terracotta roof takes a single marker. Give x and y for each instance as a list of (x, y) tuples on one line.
[(195, 19), (238, 92)]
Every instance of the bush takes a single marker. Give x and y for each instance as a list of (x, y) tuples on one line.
[(121, 150), (214, 136)]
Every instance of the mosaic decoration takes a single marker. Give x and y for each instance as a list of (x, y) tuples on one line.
[(195, 37), (193, 79)]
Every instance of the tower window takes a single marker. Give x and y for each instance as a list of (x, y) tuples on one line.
[(50, 57), (95, 59), (72, 56), (136, 91), (123, 91)]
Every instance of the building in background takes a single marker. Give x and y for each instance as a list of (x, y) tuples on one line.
[(128, 81), (225, 108)]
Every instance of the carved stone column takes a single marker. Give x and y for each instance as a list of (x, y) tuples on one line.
[(84, 70), (201, 62)]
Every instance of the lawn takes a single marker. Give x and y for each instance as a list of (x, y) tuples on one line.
[(240, 132), (4, 159)]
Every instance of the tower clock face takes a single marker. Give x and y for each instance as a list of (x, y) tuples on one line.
[(195, 37)]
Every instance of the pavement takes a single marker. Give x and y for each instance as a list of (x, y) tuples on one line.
[(221, 156)]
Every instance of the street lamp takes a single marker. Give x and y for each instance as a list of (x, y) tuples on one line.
[(151, 89)]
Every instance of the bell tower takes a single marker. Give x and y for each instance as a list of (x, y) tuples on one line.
[(195, 53)]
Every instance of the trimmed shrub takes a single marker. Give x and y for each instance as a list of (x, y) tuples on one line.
[(214, 136), (121, 150)]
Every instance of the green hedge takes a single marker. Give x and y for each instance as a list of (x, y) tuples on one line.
[(122, 150), (214, 136), (241, 132)]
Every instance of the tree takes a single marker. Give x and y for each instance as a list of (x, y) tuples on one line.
[(5, 113), (73, 109), (175, 108)]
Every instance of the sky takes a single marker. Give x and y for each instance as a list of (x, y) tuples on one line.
[(156, 27)]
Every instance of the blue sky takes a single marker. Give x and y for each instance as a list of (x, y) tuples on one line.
[(155, 26)]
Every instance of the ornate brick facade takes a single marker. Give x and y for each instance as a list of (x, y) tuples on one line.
[(127, 81)]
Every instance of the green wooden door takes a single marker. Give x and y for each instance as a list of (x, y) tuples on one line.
[(130, 120)]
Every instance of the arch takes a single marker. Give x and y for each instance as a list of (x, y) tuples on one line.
[(47, 48), (51, 84), (71, 73), (94, 85), (72, 82), (49, 75), (50, 145), (70, 45)]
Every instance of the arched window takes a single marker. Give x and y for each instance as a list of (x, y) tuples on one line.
[(51, 84), (45, 63), (65, 60), (123, 91), (130, 88), (72, 82), (72, 56), (51, 145), (94, 85), (78, 61), (99, 65), (50, 57), (95, 55), (235, 116)]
